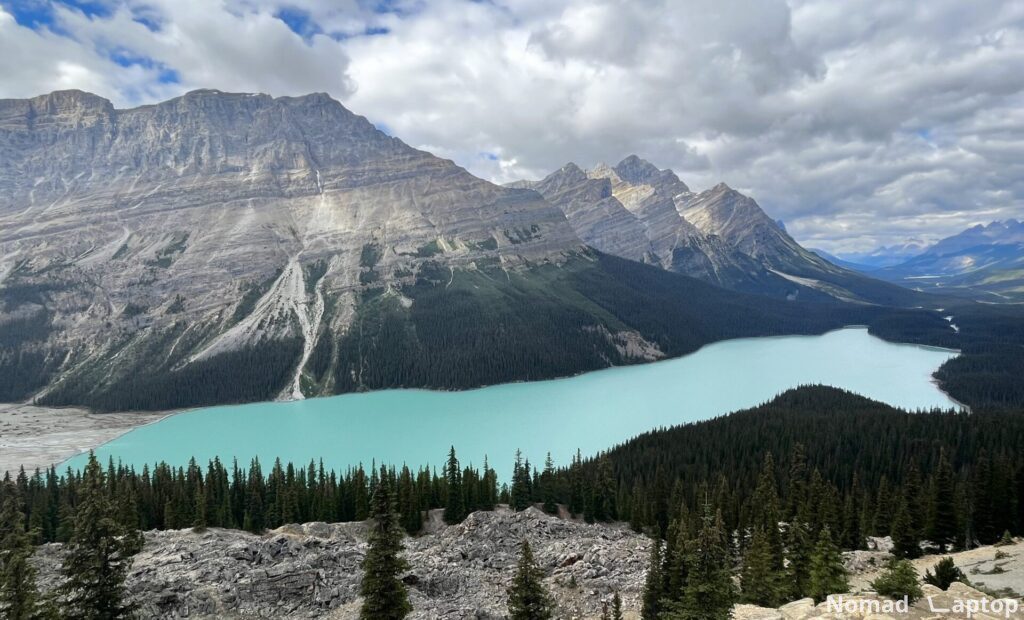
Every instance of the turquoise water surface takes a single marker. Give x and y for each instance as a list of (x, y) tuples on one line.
[(589, 412)]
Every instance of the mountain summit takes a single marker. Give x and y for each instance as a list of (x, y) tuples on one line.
[(636, 210)]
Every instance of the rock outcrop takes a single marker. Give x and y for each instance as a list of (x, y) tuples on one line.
[(314, 570)]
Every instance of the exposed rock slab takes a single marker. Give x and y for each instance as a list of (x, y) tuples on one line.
[(313, 570)]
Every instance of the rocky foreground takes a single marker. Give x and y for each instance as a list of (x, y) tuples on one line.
[(313, 571)]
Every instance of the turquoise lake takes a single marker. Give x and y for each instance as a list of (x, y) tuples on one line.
[(590, 412)]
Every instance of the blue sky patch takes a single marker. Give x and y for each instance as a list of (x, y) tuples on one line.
[(39, 14), (126, 58), (300, 22)]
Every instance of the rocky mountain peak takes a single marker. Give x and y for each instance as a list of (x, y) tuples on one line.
[(639, 171), (571, 172)]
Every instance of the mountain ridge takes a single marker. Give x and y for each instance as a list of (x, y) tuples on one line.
[(718, 235)]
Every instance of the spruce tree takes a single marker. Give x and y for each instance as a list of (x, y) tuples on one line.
[(528, 599), (898, 580), (654, 583), (710, 593), (800, 549), (384, 593), (99, 554), (18, 595), (942, 522), (520, 492), (616, 606), (454, 510), (759, 579), (548, 490), (905, 543), (828, 575)]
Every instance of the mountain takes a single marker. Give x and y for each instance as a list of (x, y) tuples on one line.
[(885, 256), (982, 262), (839, 262), (638, 211), (223, 247)]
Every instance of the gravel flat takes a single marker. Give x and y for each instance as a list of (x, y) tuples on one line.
[(40, 436)]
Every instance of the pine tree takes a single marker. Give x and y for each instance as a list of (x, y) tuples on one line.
[(828, 576), (99, 554), (653, 584), (527, 597), (616, 606), (759, 579), (454, 511), (18, 595), (384, 593)]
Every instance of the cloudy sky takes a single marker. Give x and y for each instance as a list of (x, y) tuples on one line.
[(856, 122)]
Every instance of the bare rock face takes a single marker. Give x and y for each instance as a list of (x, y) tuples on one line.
[(596, 214), (719, 235), (235, 218), (314, 570), (631, 210)]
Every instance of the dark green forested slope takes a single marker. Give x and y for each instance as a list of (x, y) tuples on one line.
[(851, 460), (486, 325)]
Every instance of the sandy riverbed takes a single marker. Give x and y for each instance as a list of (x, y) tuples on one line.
[(39, 436)]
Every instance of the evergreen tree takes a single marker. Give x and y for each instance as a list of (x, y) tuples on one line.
[(527, 597), (898, 580), (942, 524), (710, 593), (454, 511), (800, 550), (616, 606), (384, 593), (946, 572), (828, 576), (18, 594), (758, 579), (905, 544), (99, 554), (199, 521), (653, 584), (520, 492), (548, 491)]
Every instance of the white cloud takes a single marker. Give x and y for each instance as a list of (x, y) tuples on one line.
[(856, 122)]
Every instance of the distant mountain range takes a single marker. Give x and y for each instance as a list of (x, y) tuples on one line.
[(982, 262), (224, 247)]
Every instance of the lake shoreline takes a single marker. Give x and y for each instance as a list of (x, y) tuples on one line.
[(40, 436), (591, 412)]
